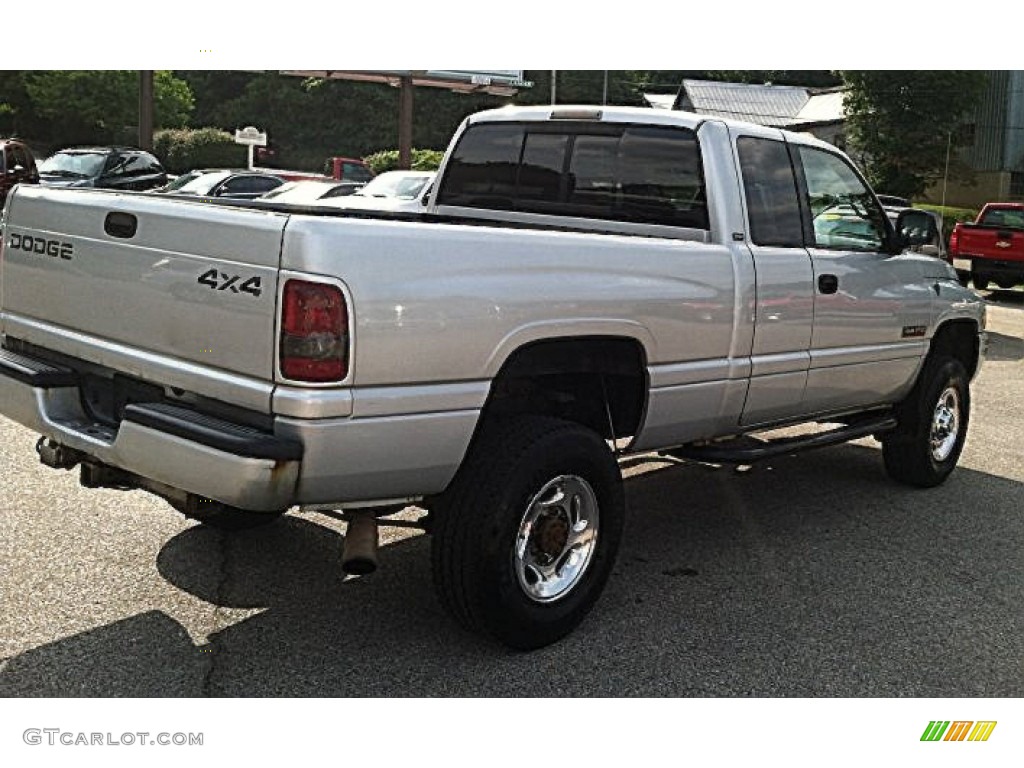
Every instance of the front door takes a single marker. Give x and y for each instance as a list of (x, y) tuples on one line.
[(871, 307)]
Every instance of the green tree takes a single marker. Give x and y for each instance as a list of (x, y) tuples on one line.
[(102, 105), (900, 124)]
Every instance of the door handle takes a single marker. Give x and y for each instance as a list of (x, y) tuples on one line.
[(828, 284)]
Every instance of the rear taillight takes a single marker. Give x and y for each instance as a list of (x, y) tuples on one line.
[(314, 332), (954, 242)]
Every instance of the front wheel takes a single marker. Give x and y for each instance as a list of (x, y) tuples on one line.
[(926, 445), (526, 537)]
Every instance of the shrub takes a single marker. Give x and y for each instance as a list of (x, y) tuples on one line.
[(183, 149), (950, 216), (422, 160)]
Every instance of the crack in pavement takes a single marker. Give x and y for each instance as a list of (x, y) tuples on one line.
[(212, 647)]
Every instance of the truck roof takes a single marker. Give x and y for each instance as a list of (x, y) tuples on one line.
[(644, 115)]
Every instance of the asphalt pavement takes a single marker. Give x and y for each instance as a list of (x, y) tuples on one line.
[(811, 575)]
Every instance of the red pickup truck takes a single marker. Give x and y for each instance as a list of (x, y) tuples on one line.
[(991, 249)]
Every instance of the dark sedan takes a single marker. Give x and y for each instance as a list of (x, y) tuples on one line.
[(230, 184)]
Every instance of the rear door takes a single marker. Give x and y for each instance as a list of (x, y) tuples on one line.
[(143, 279), (784, 309)]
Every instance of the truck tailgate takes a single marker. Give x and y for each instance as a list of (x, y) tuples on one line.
[(991, 242), (192, 283)]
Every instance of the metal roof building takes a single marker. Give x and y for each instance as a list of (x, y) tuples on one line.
[(778, 106)]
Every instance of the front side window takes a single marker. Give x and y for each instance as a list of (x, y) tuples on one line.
[(628, 173), (844, 213), (769, 185)]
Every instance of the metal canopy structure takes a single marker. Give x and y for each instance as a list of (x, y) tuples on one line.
[(498, 82)]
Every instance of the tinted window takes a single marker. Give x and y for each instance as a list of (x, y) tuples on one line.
[(541, 173), (1008, 218), (355, 172), (642, 174), (770, 188), (23, 158), (844, 213), (134, 164), (482, 173), (242, 185)]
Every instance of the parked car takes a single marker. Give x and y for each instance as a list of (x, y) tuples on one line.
[(307, 192), (17, 166), (391, 191), (227, 183), (107, 167), (991, 249), (892, 201), (348, 169)]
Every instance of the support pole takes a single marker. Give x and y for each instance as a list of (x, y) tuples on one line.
[(146, 109), (405, 124)]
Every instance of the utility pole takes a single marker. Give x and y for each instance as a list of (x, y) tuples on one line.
[(604, 90), (554, 86), (945, 176), (405, 123), (146, 109)]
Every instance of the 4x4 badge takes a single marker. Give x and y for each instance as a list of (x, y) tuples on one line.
[(222, 281)]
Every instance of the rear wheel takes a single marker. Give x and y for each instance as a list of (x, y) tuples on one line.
[(526, 537), (926, 445), (980, 282)]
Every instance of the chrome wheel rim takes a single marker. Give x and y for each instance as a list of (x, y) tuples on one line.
[(557, 539), (945, 424)]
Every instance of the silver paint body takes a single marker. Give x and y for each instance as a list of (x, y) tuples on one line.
[(735, 336)]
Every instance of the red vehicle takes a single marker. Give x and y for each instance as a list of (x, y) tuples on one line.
[(17, 166), (348, 169), (992, 248)]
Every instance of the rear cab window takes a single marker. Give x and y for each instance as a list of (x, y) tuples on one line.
[(610, 172)]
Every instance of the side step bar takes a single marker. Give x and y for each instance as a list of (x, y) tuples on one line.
[(35, 373), (750, 450), (213, 432)]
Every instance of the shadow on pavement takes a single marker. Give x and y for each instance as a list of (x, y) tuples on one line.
[(812, 575), (1002, 348), (1003, 298)]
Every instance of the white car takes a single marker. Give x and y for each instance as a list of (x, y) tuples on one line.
[(391, 191), (310, 192)]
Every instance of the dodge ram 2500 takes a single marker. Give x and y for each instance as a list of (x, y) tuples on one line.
[(584, 283)]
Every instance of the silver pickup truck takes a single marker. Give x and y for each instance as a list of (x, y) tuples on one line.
[(581, 284)]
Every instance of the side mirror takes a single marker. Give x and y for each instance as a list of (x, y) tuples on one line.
[(915, 228)]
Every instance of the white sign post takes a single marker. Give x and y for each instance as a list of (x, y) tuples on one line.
[(251, 137)]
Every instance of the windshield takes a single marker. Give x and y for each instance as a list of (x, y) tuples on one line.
[(79, 164), (403, 186), (299, 192), (195, 183)]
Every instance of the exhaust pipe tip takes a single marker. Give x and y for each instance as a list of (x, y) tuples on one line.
[(358, 566), (359, 550)]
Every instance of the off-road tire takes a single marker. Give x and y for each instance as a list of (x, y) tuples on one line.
[(481, 516), (910, 451)]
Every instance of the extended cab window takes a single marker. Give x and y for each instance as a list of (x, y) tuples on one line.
[(616, 172), (844, 213), (771, 192)]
